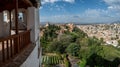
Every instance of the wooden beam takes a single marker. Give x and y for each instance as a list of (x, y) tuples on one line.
[(16, 16), (10, 4), (28, 2)]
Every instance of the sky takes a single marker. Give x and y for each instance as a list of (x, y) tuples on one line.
[(80, 11)]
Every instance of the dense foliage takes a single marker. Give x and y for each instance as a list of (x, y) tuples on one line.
[(89, 50), (73, 49), (50, 60)]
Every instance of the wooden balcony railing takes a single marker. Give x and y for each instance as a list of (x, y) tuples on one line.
[(13, 45)]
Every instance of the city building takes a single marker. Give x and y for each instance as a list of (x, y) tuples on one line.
[(109, 32)]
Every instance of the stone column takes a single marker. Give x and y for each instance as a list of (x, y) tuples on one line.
[(7, 26), (33, 23), (13, 19), (24, 18)]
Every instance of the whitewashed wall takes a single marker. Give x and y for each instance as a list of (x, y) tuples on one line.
[(33, 23)]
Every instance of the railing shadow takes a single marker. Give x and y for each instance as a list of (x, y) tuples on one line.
[(13, 45)]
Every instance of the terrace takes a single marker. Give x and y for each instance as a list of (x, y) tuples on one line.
[(15, 47)]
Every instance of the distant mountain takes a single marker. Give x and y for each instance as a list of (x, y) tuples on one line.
[(80, 23), (118, 22)]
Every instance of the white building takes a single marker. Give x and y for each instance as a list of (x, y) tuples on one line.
[(112, 42)]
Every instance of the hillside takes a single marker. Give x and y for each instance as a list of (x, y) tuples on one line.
[(69, 40)]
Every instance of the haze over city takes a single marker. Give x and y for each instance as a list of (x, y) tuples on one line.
[(80, 11)]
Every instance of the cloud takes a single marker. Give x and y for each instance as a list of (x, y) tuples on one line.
[(113, 7), (96, 13), (82, 1), (78, 19), (61, 18), (112, 13), (100, 15), (76, 16), (70, 1), (112, 1), (59, 7), (92, 13), (88, 16), (48, 1), (53, 1), (113, 4), (40, 7)]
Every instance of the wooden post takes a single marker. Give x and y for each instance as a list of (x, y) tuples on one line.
[(16, 16), (3, 52), (7, 49), (11, 50), (16, 25)]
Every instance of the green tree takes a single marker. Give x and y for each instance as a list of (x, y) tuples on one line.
[(118, 42), (57, 46), (82, 63), (73, 49)]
